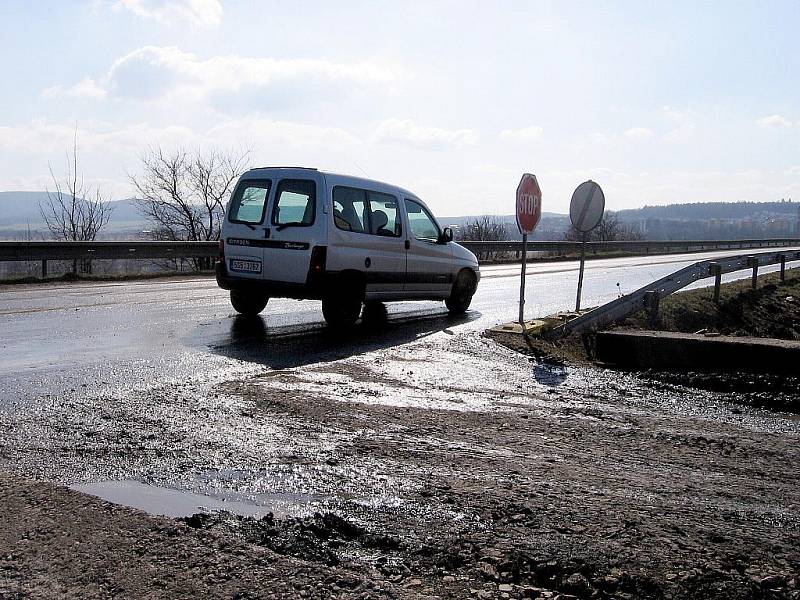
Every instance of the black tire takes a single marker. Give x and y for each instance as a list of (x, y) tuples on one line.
[(248, 303), (374, 314), (461, 294), (341, 311)]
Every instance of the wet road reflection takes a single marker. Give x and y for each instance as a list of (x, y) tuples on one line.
[(250, 339)]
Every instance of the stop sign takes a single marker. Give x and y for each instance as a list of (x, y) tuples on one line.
[(529, 204)]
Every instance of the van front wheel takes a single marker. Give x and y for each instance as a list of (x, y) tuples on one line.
[(248, 304), (341, 311), (461, 294)]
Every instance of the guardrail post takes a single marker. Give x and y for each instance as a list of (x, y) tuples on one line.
[(752, 261), (715, 269), (651, 306), (782, 258), (44, 269)]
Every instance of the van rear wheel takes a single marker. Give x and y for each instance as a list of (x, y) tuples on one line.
[(461, 294), (248, 303), (341, 311)]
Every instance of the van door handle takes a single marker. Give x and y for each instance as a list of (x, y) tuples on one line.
[(408, 244)]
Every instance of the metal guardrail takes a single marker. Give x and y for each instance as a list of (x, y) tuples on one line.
[(111, 250), (648, 296), (11, 251), (150, 250), (638, 246), (88, 251)]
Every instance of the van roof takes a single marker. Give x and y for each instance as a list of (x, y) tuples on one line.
[(284, 167), (336, 177)]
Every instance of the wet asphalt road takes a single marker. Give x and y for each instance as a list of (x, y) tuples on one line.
[(67, 338)]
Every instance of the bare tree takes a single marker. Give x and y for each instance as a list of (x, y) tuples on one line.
[(183, 194), (75, 211), (610, 229), (485, 228)]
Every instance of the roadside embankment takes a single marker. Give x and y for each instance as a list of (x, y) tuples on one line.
[(672, 350), (746, 346), (772, 310)]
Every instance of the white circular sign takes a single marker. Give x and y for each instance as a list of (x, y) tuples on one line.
[(587, 206)]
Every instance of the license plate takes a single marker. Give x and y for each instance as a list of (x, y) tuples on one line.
[(246, 266)]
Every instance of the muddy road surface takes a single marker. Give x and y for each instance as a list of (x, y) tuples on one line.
[(447, 467)]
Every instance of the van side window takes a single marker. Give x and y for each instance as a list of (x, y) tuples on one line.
[(248, 201), (421, 222), (350, 209), (384, 217), (295, 202)]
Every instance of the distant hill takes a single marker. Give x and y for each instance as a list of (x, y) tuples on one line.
[(461, 221), (20, 210), (551, 227), (712, 210)]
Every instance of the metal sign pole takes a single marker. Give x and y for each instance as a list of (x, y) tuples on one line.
[(522, 283), (585, 211), (580, 274)]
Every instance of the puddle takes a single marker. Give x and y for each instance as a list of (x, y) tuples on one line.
[(179, 503)]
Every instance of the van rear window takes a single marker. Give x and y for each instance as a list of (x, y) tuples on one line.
[(295, 202), (249, 201)]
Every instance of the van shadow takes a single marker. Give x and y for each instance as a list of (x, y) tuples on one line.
[(550, 374), (251, 340)]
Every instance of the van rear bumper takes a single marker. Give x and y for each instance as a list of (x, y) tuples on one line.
[(273, 289)]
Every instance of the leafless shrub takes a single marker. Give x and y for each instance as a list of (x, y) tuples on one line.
[(486, 228), (183, 194), (610, 229), (74, 211)]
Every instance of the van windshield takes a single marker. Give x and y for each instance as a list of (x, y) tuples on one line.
[(249, 201), (421, 222)]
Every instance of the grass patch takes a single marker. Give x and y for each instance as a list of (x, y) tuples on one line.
[(772, 310)]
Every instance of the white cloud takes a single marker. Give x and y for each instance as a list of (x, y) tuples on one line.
[(203, 14), (279, 134), (405, 131), (774, 121), (85, 88), (682, 133), (50, 139), (46, 138), (638, 133), (675, 115), (682, 123), (614, 140), (169, 74), (526, 134), (112, 151)]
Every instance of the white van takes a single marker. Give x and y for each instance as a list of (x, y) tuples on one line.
[(292, 232)]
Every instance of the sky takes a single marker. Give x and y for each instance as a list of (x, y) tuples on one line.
[(658, 102)]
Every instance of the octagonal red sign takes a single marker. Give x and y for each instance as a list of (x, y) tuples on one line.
[(529, 204)]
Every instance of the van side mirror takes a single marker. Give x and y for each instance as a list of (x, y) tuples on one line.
[(446, 236)]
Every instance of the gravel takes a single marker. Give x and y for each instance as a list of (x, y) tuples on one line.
[(449, 467)]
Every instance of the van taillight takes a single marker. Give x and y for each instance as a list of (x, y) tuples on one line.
[(221, 257), (319, 256)]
